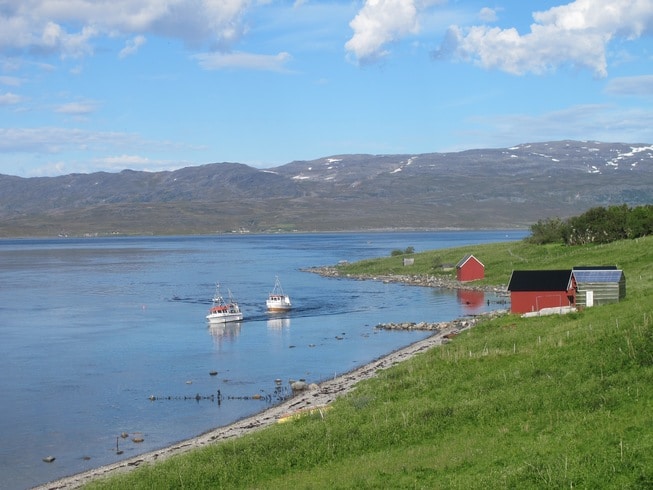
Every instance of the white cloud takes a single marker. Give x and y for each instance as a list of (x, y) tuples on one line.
[(382, 22), (76, 108), (21, 29), (487, 14), (378, 23), (55, 140), (574, 34), (219, 61), (50, 170), (108, 164), (67, 28), (10, 99), (642, 85), (132, 46), (51, 38), (124, 160), (133, 162), (600, 122), (11, 81)]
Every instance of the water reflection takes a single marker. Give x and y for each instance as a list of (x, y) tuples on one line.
[(278, 323), (471, 300), (225, 331)]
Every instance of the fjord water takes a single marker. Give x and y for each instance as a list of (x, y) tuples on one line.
[(92, 329)]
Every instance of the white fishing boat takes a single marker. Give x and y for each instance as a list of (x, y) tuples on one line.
[(277, 300), (222, 311)]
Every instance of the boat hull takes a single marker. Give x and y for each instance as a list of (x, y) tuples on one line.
[(219, 318), (278, 309)]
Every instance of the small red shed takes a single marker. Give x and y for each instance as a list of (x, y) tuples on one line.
[(537, 289), (469, 268)]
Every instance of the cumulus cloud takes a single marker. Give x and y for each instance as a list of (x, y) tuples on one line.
[(67, 28), (575, 34), (132, 46), (43, 36), (378, 23)]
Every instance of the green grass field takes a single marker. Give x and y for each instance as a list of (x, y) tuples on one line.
[(547, 402)]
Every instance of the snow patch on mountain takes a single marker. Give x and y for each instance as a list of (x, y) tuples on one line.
[(403, 164), (643, 152)]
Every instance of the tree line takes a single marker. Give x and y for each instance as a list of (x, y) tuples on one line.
[(596, 225)]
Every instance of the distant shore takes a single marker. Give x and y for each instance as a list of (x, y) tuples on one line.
[(410, 280), (316, 396)]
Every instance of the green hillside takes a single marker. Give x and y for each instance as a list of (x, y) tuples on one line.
[(549, 402)]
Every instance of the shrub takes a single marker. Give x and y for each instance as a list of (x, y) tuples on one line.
[(596, 225), (407, 251)]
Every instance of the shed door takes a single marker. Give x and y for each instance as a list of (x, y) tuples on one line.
[(589, 298)]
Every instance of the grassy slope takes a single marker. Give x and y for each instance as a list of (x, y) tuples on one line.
[(513, 403)]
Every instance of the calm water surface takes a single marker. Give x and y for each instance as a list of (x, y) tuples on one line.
[(91, 328)]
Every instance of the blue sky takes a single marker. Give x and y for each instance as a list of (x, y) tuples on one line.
[(105, 85)]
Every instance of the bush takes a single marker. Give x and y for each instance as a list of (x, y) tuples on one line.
[(596, 225), (551, 230), (407, 251)]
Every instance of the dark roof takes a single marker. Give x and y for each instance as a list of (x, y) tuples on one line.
[(595, 275), (540, 280), (462, 261)]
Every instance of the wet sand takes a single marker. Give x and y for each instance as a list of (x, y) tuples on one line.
[(316, 396)]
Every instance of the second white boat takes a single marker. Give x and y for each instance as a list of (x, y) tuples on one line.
[(277, 300)]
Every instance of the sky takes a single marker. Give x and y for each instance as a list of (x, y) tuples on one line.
[(151, 85)]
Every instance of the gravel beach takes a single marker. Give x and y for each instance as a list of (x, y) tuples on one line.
[(315, 396)]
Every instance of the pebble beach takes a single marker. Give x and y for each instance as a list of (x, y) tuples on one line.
[(313, 397)]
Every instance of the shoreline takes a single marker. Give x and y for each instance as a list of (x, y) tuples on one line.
[(422, 280), (316, 397)]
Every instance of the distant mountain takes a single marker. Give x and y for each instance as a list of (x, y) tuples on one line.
[(482, 188)]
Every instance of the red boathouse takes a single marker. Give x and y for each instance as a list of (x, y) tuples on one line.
[(537, 289), (469, 268)]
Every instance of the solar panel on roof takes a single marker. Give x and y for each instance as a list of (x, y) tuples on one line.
[(597, 276)]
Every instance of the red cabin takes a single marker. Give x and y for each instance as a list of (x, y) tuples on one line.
[(469, 269), (534, 290)]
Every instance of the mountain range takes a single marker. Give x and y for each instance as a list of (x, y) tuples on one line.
[(481, 188)]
